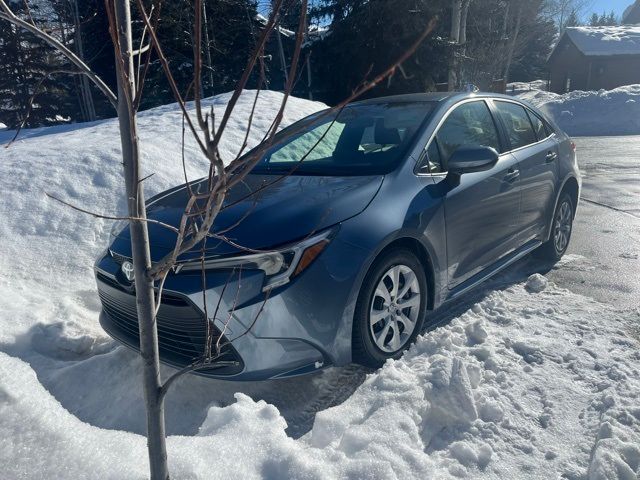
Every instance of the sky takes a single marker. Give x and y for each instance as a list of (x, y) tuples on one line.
[(617, 6)]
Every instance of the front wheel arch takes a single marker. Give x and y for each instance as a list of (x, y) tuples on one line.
[(421, 252), (364, 350)]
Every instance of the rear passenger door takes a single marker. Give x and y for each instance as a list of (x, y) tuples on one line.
[(534, 147), (481, 209)]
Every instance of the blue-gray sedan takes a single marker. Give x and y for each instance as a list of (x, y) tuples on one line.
[(400, 205)]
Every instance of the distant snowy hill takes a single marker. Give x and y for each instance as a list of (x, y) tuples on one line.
[(527, 381)]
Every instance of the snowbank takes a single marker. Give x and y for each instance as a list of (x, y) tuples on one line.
[(605, 112), (532, 381)]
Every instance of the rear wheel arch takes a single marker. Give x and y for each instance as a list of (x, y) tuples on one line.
[(570, 186)]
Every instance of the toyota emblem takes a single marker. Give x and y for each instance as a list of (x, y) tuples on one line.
[(127, 270)]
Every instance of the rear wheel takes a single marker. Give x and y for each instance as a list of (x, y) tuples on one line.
[(561, 228), (391, 308)]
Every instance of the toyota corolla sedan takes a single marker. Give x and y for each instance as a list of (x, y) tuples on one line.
[(401, 205)]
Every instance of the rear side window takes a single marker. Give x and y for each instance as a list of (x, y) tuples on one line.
[(471, 124), (516, 121), (538, 126)]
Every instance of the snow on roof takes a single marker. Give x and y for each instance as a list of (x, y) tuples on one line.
[(614, 40)]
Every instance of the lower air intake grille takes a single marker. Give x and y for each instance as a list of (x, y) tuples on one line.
[(181, 328)]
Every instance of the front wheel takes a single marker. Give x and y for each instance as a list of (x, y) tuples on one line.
[(391, 308), (554, 248)]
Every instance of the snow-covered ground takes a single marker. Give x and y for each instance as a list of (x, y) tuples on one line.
[(531, 381), (595, 113)]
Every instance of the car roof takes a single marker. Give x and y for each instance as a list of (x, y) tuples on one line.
[(432, 97)]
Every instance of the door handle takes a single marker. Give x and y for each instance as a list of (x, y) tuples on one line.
[(551, 157), (512, 174)]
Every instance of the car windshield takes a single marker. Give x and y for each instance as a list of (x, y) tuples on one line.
[(369, 139)]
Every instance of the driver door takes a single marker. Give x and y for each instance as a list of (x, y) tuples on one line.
[(481, 209)]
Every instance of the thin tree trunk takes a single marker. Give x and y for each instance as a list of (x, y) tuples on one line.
[(145, 301), (512, 43), (84, 81), (283, 61), (207, 47), (463, 40), (456, 12)]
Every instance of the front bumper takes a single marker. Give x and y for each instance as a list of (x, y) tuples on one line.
[(300, 328)]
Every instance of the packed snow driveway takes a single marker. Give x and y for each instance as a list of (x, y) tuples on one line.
[(521, 379)]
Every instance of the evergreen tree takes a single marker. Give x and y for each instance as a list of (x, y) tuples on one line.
[(31, 69), (603, 19), (232, 33), (532, 61), (368, 36)]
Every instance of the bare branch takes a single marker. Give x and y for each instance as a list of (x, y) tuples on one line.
[(111, 217), (247, 71)]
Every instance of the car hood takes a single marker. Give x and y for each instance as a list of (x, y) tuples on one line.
[(284, 211)]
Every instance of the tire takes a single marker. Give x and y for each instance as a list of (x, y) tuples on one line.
[(371, 345), (561, 228)]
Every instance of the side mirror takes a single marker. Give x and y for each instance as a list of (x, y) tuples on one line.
[(468, 159)]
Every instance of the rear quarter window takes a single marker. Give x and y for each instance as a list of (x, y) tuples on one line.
[(517, 124), (538, 126)]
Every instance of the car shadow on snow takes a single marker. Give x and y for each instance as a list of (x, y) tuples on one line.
[(98, 381)]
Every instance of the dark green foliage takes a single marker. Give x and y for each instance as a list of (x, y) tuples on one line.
[(532, 63), (366, 37), (29, 68), (98, 48), (603, 19)]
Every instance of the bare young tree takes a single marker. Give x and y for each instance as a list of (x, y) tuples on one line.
[(560, 10), (458, 37), (203, 204)]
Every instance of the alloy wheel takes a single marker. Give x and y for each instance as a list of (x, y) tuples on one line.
[(562, 227), (395, 309)]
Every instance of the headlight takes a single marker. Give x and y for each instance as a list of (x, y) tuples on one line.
[(118, 226), (279, 266)]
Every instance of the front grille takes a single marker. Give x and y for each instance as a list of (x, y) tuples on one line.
[(181, 327)]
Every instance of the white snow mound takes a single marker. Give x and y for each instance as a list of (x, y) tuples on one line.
[(595, 113)]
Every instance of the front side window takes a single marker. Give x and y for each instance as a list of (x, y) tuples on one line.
[(470, 124), (366, 139), (517, 123)]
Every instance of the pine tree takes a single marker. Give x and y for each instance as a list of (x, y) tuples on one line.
[(30, 69), (367, 36), (232, 33), (594, 21)]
